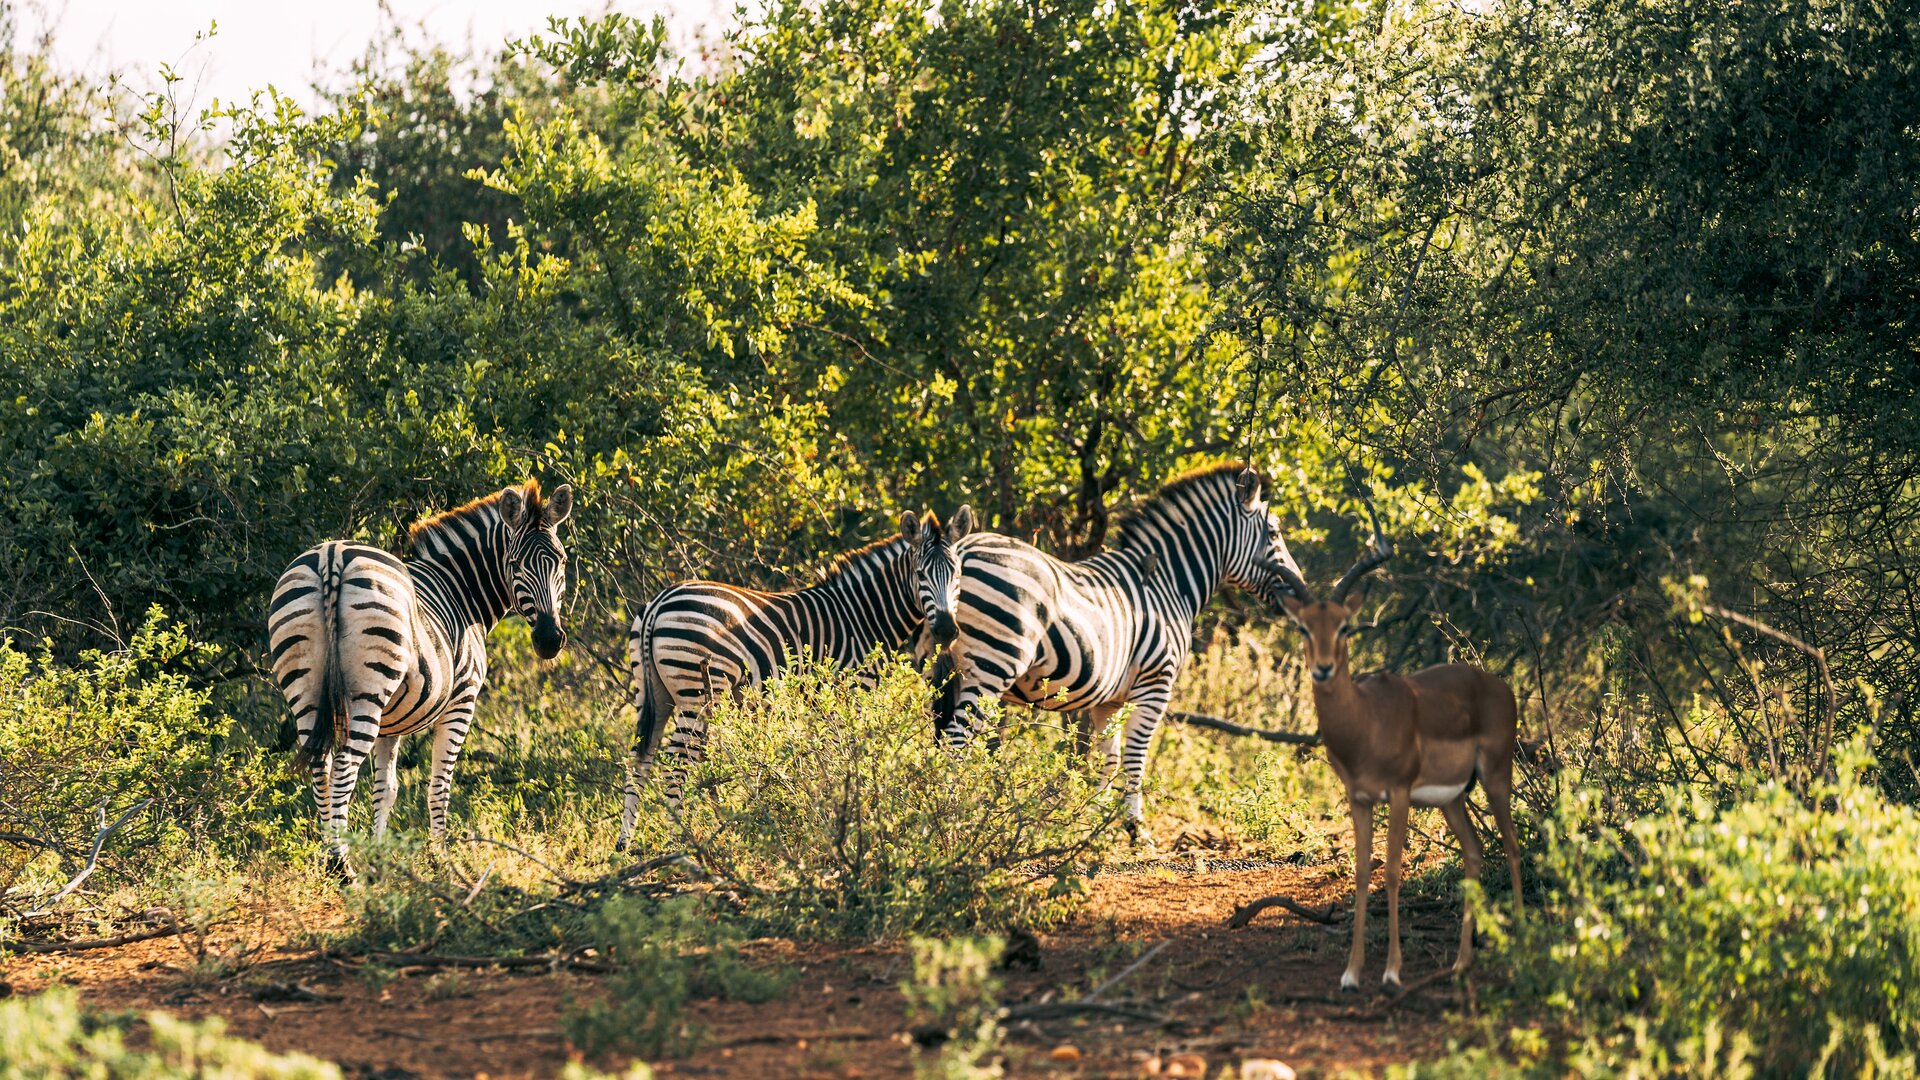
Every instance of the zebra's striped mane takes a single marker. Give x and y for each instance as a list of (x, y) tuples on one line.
[(1135, 523), (848, 559), (482, 505)]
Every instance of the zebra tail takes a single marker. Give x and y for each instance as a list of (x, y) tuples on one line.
[(332, 713), (655, 708)]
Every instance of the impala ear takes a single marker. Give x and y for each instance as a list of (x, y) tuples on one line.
[(961, 525), (513, 507), (1292, 604), (1356, 599), (559, 506), (910, 526), (1248, 488)]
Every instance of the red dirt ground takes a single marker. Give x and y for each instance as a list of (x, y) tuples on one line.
[(1268, 991)]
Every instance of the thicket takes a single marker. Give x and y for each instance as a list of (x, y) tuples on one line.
[(1611, 305)]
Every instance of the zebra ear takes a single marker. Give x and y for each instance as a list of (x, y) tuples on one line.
[(960, 525), (559, 506), (513, 507), (910, 525), (1248, 488)]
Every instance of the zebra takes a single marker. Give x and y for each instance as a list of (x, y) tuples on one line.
[(1111, 630), (701, 638), (368, 647)]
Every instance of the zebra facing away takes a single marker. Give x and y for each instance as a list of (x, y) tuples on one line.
[(699, 639), (1113, 629), (368, 647)]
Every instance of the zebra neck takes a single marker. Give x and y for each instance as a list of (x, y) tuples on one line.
[(873, 592), (460, 572), (1187, 568)]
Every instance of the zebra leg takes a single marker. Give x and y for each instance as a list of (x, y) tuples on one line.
[(685, 748), (386, 780), (1139, 738), (362, 732), (448, 736)]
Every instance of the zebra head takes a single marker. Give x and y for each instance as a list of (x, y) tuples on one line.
[(1257, 556), (536, 561), (936, 566)]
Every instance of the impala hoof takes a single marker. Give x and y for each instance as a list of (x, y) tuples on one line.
[(1349, 982)]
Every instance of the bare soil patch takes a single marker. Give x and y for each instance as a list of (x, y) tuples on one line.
[(1270, 990)]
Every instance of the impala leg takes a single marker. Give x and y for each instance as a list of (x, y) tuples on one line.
[(386, 780), (1499, 785), (1472, 861), (1362, 875), (1397, 809)]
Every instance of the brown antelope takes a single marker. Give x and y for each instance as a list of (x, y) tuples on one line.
[(1405, 740)]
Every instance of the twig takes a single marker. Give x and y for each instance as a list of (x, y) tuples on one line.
[(95, 943), (483, 962), (1814, 652), (1054, 1010), (1231, 728), (530, 857), (830, 1035), (93, 857), (1128, 970), (1245, 913)]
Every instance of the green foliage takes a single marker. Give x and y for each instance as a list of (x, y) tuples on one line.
[(1777, 929), (126, 733), (834, 808), (954, 993), (666, 954), (49, 1037)]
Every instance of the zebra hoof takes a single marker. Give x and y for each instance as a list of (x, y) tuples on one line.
[(340, 868), (619, 847), (1140, 838)]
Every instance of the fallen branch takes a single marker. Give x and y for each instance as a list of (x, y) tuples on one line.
[(1231, 728), (1054, 1010), (830, 1035), (1245, 913), (93, 857), (1128, 970), (95, 943), (483, 962)]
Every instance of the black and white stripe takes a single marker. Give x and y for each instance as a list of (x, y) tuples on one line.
[(368, 647), (1114, 629), (700, 639)]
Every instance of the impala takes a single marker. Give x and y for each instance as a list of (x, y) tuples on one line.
[(1404, 740)]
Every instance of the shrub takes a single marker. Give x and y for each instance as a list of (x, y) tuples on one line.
[(837, 811), (49, 1036), (88, 743), (952, 998), (1777, 930), (667, 954)]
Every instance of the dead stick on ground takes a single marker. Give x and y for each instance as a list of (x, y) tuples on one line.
[(1056, 1009), (96, 943), (846, 1035), (93, 857), (1244, 914), (483, 962), (1128, 970)]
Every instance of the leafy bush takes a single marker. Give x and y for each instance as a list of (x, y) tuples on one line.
[(667, 953), (1781, 931), (49, 1036), (837, 811), (952, 997), (95, 741)]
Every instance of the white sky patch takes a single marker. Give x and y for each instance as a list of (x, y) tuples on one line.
[(290, 46)]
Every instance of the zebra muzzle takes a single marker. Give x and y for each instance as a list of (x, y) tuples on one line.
[(547, 637), (944, 628)]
